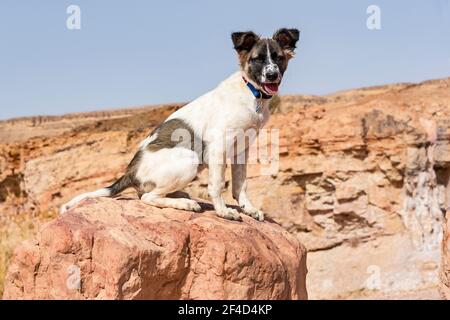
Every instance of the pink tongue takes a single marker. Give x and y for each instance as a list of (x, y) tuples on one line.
[(271, 88)]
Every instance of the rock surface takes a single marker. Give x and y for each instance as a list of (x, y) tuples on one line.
[(444, 287), (362, 173), (124, 249)]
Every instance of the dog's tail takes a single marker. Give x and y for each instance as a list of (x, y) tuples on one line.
[(113, 190)]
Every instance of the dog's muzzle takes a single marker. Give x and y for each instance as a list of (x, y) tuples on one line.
[(271, 78), (271, 73)]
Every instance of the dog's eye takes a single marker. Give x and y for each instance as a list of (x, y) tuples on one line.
[(259, 59), (276, 57)]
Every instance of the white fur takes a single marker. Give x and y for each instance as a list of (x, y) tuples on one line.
[(231, 106), (270, 67), (169, 169)]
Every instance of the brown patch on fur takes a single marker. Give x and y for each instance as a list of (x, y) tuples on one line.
[(128, 180), (145, 188), (171, 134), (243, 58)]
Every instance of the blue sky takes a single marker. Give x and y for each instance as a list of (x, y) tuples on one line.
[(131, 53)]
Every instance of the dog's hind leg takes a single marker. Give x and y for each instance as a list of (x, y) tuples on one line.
[(168, 171), (155, 198)]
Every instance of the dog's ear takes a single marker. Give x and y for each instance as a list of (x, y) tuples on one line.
[(287, 39), (244, 41)]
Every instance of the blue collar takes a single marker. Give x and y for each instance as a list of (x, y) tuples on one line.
[(257, 93)]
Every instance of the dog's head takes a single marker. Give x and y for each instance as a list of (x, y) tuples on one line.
[(264, 61)]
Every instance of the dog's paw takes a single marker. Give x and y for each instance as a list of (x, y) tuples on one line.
[(254, 213), (193, 206), (229, 214)]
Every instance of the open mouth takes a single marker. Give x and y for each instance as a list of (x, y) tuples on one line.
[(270, 88)]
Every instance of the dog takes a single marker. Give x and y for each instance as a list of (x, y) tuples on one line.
[(198, 134)]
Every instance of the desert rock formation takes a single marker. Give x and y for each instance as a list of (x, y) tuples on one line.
[(124, 249), (361, 179)]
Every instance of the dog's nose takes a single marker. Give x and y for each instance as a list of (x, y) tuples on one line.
[(272, 76)]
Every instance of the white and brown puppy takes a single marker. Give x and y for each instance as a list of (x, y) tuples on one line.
[(199, 133)]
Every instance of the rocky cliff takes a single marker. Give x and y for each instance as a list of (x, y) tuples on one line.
[(361, 179)]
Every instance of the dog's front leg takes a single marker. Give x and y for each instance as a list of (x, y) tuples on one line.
[(239, 190), (217, 166)]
